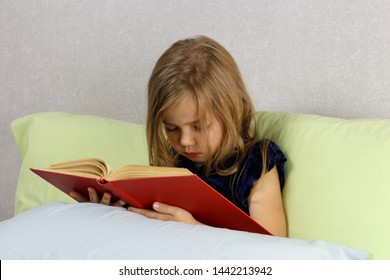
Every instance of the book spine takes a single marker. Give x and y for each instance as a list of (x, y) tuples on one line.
[(120, 193)]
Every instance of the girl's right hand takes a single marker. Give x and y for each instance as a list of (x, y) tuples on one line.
[(94, 197)]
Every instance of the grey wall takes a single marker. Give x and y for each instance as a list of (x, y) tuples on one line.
[(94, 57)]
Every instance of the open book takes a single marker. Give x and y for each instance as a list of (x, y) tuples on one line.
[(141, 186)]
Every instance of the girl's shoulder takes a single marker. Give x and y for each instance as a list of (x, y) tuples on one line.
[(274, 156), (265, 146)]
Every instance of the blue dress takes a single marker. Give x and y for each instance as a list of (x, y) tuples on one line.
[(236, 187)]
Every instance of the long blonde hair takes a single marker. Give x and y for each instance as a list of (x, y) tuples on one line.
[(204, 69)]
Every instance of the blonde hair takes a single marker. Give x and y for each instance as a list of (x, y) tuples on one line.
[(203, 69)]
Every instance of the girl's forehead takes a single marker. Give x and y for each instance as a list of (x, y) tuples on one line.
[(183, 112)]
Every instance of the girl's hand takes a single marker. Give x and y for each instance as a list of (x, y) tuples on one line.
[(94, 197), (165, 212)]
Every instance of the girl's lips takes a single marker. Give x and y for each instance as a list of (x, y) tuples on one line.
[(192, 155)]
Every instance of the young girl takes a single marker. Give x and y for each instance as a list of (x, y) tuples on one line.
[(201, 117)]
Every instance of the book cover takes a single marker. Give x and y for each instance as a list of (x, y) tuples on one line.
[(188, 192)]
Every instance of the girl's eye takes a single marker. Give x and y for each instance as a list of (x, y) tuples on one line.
[(170, 129)]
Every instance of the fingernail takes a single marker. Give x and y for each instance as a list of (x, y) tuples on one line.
[(156, 205)]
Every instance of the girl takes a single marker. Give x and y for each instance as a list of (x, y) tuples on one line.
[(201, 117)]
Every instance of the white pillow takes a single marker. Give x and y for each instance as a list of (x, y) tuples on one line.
[(92, 231)]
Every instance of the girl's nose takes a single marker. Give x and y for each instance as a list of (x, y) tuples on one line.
[(187, 139)]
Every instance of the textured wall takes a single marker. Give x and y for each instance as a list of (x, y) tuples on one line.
[(94, 57)]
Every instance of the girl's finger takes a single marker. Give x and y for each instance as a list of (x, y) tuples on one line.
[(93, 197), (150, 214), (106, 199), (165, 208), (78, 197), (119, 203)]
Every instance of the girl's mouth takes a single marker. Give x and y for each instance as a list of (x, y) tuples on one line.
[(192, 155)]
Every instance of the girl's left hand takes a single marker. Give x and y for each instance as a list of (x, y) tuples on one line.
[(165, 212)]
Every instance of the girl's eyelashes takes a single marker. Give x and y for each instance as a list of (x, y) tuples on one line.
[(195, 127), (170, 128)]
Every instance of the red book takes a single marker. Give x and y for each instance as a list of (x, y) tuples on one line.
[(140, 186)]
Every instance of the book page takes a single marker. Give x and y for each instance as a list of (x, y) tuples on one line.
[(91, 167), (144, 171)]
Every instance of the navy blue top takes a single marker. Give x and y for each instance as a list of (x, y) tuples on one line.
[(236, 187)]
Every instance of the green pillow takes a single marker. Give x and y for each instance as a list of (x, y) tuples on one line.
[(47, 138), (338, 178), (337, 186)]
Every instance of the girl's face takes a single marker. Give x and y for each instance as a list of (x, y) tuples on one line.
[(183, 129)]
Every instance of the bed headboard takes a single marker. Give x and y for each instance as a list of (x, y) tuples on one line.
[(95, 57)]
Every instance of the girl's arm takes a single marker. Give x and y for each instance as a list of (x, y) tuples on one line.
[(265, 203)]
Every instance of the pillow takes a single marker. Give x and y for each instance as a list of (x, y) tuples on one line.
[(94, 231), (338, 178), (47, 138)]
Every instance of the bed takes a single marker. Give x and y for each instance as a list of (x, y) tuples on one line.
[(73, 85), (336, 205)]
